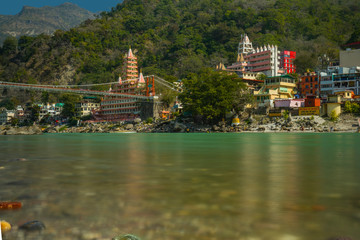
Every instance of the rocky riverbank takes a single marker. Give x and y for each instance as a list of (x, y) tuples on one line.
[(27, 130), (258, 123)]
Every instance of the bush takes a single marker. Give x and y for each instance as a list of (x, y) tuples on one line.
[(176, 114), (351, 107), (333, 116), (149, 120), (286, 114)]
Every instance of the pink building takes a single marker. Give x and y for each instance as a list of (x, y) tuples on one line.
[(289, 103), (266, 59)]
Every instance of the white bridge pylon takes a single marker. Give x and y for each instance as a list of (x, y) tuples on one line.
[(72, 89)]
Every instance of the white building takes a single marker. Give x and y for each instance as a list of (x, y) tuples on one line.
[(266, 59), (85, 108), (50, 110), (6, 115)]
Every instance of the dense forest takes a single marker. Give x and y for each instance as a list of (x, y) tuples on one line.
[(173, 38)]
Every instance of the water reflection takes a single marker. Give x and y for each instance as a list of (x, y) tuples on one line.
[(177, 186)]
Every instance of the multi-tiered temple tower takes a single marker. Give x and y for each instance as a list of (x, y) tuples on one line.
[(114, 108)]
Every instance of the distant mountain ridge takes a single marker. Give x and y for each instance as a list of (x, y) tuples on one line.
[(33, 21)]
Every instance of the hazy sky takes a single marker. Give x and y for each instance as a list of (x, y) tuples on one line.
[(12, 7)]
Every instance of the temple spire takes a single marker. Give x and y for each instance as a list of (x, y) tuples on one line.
[(141, 78), (130, 66)]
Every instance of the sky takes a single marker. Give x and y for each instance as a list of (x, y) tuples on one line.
[(12, 7)]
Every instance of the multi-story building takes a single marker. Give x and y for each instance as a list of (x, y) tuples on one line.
[(50, 110), (266, 59), (279, 87), (337, 79), (287, 59), (309, 84), (86, 107)]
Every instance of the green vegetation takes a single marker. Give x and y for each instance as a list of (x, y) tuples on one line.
[(351, 107), (285, 114), (212, 94), (334, 116), (149, 120), (181, 37), (69, 101), (9, 103)]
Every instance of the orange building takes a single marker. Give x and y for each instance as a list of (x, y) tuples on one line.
[(312, 101), (309, 84)]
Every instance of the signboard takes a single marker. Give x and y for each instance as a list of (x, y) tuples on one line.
[(309, 111), (276, 114)]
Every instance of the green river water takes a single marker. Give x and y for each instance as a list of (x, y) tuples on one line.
[(251, 186)]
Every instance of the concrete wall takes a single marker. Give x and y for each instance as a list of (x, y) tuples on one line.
[(150, 108), (333, 107), (350, 58)]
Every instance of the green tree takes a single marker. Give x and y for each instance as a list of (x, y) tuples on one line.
[(9, 103), (351, 107), (9, 46), (69, 101), (34, 114), (211, 94)]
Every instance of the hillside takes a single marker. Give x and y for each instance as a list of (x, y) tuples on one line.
[(33, 21), (175, 37)]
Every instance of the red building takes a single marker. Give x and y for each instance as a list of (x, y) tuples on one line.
[(312, 101), (287, 61), (309, 84)]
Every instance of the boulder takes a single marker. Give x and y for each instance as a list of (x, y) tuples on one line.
[(215, 128), (179, 127), (129, 126), (137, 120), (31, 130)]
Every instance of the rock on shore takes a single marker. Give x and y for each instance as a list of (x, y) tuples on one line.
[(28, 130), (258, 123)]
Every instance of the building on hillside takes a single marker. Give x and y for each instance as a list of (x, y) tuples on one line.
[(287, 59), (50, 110), (279, 87), (337, 79), (266, 59), (346, 95), (351, 56), (332, 106), (289, 103), (240, 66), (312, 101), (252, 80), (86, 107), (6, 115), (309, 84), (114, 108)]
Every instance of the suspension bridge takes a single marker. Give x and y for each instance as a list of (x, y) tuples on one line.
[(78, 89)]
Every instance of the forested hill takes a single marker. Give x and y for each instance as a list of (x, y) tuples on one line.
[(175, 37)]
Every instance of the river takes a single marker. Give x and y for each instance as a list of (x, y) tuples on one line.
[(251, 186)]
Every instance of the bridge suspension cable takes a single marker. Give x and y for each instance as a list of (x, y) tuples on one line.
[(167, 84), (74, 88)]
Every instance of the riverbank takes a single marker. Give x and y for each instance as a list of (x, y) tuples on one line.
[(257, 123)]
